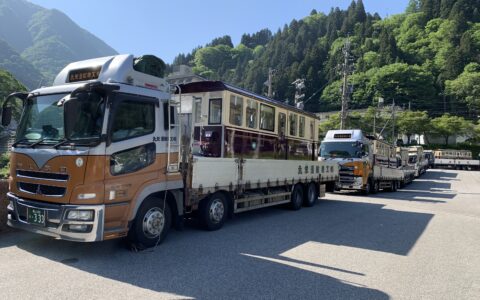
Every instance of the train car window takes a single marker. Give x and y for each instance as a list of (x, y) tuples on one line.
[(282, 124), (312, 130), (267, 117), (236, 110), (215, 111), (301, 126), (252, 113), (293, 124), (198, 111)]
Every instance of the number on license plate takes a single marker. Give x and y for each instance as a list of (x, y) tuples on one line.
[(36, 216)]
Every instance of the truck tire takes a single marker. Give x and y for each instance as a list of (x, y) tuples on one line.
[(367, 189), (311, 195), (296, 198), (394, 186), (213, 211), (375, 187), (151, 224)]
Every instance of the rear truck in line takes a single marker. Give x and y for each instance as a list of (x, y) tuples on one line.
[(408, 170), (111, 150), (418, 160), (455, 159), (366, 164)]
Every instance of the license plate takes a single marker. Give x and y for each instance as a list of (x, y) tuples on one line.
[(36, 216)]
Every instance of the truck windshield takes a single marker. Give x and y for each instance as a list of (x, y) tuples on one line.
[(43, 120), (412, 159), (340, 150)]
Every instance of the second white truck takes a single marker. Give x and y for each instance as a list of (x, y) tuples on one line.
[(366, 164)]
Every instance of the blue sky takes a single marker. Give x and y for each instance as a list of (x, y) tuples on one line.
[(167, 28)]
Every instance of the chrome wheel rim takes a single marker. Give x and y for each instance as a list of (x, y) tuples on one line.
[(153, 222), (216, 211)]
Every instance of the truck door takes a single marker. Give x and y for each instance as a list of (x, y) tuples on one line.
[(133, 142)]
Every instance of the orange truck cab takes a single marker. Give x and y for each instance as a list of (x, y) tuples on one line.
[(87, 146)]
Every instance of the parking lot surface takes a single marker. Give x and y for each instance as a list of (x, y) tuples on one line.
[(422, 242)]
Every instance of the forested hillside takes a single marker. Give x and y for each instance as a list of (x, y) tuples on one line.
[(426, 58), (32, 37)]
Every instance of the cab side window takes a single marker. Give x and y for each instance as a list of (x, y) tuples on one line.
[(132, 119)]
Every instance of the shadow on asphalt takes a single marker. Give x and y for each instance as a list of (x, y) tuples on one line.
[(438, 191), (221, 264)]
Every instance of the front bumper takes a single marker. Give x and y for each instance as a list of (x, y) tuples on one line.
[(56, 224), (350, 183)]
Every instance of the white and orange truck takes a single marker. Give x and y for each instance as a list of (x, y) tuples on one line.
[(111, 150), (366, 163)]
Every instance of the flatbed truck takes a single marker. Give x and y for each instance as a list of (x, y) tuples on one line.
[(107, 152), (366, 164)]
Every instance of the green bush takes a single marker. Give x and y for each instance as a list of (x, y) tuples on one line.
[(4, 165)]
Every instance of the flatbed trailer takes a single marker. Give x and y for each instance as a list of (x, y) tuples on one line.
[(457, 164), (256, 183)]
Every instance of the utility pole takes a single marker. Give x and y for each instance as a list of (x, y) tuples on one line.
[(346, 69), (393, 123), (299, 94), (380, 101), (271, 74)]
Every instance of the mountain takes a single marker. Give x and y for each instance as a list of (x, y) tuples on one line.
[(414, 58), (21, 68), (8, 84), (46, 38)]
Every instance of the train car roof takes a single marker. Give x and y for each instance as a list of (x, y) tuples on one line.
[(214, 86)]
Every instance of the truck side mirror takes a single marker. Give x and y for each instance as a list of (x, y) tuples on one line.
[(6, 116)]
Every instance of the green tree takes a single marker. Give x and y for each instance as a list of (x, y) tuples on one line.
[(8, 85), (412, 122), (447, 126), (225, 40), (406, 84), (466, 87), (332, 123)]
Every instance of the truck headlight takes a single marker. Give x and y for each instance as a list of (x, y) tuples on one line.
[(80, 215)]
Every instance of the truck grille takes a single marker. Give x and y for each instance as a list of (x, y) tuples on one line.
[(346, 174), (40, 189), (42, 175)]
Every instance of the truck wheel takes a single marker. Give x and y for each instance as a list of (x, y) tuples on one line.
[(394, 186), (296, 198), (311, 195), (376, 187), (151, 224), (367, 188), (213, 211)]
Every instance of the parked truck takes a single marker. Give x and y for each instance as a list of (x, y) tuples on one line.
[(108, 152), (408, 170), (455, 159), (366, 163), (417, 160)]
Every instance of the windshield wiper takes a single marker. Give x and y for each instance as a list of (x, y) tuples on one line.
[(36, 143), (29, 145), (61, 143), (20, 141)]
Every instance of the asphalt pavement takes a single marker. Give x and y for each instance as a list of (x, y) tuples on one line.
[(422, 242)]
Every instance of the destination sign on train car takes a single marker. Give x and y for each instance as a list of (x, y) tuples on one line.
[(342, 136), (84, 74)]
